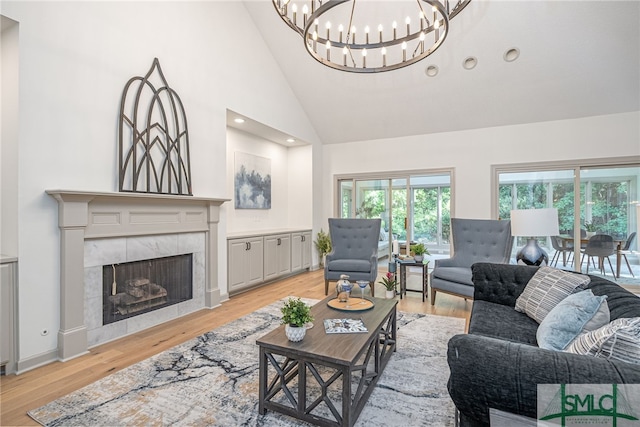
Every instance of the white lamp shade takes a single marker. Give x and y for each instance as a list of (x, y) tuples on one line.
[(534, 222)]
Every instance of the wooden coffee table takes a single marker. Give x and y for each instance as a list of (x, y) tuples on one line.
[(326, 379)]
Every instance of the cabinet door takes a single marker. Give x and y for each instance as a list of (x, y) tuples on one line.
[(296, 252), (277, 256), (237, 263), (7, 337), (306, 249), (255, 261), (270, 257), (284, 254)]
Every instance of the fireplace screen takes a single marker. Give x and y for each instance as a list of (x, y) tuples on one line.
[(134, 288)]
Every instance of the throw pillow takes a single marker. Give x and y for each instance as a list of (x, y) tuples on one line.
[(577, 313), (618, 340), (546, 289)]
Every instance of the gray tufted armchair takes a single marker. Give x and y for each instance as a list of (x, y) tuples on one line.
[(354, 252), (472, 240)]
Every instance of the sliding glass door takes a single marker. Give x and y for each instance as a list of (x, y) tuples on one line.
[(414, 208), (606, 202)]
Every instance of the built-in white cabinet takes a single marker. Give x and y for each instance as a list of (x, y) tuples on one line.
[(258, 258), (300, 250), (8, 285), (277, 256), (245, 260)]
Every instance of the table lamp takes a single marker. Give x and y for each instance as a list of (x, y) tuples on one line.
[(533, 223)]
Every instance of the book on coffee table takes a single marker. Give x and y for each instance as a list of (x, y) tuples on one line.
[(344, 326)]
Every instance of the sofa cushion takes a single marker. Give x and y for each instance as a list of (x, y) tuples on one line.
[(618, 340), (454, 274), (577, 313), (546, 289), (502, 322), (621, 302), (349, 265)]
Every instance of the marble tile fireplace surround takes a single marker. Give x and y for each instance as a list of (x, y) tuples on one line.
[(98, 229)]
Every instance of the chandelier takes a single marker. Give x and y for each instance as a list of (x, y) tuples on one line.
[(354, 45)]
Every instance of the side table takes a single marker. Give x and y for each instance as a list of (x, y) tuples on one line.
[(403, 277)]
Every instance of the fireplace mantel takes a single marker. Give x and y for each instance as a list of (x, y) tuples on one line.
[(84, 215)]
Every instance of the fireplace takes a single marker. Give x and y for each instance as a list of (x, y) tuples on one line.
[(134, 288), (104, 229)]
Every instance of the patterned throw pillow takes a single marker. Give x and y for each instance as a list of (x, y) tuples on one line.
[(578, 313), (546, 289), (618, 340)]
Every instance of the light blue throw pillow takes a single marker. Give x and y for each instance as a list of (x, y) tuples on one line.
[(577, 313)]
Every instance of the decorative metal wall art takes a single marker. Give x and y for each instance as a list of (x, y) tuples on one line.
[(153, 138)]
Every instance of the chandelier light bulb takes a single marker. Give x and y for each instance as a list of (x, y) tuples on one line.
[(391, 48)]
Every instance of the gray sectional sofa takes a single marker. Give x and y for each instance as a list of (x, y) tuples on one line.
[(498, 364)]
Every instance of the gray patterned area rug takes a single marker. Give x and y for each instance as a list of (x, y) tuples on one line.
[(212, 380)]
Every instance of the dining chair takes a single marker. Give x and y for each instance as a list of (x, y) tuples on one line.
[(626, 250), (560, 246), (601, 246)]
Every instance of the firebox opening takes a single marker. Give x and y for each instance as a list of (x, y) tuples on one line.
[(134, 288)]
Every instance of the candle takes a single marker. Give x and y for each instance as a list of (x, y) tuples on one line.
[(380, 32), (395, 247), (341, 29), (364, 58), (366, 34)]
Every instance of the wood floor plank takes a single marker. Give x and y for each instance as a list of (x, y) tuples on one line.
[(20, 393)]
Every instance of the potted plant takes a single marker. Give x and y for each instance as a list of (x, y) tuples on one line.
[(295, 316), (389, 283), (323, 245), (590, 227), (419, 250)]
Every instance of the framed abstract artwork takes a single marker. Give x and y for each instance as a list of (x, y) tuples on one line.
[(252, 181)]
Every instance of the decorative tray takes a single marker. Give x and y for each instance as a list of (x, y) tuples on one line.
[(353, 304)]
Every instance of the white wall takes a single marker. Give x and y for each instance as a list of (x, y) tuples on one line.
[(472, 153), (290, 185), (9, 141), (75, 58)]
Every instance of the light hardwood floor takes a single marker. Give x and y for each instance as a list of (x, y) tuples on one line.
[(20, 393)]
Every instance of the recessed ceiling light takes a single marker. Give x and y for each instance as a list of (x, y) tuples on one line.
[(511, 54), (238, 120), (431, 71), (470, 63), (291, 140)]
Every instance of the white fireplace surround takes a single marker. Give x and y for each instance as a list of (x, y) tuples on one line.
[(92, 220)]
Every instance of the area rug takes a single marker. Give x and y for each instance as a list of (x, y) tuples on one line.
[(212, 380)]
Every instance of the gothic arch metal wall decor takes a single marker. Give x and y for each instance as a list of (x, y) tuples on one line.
[(153, 138)]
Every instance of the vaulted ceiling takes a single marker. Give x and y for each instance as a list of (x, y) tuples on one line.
[(577, 59)]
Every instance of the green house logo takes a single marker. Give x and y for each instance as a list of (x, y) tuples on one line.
[(587, 404)]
